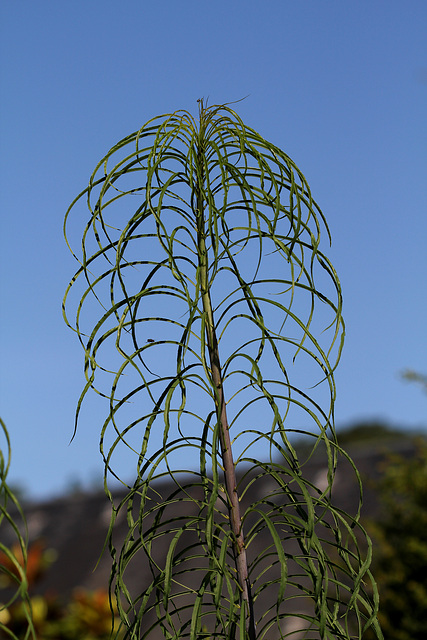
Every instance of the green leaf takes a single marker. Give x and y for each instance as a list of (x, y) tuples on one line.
[(219, 332)]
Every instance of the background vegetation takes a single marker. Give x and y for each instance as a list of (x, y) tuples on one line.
[(400, 538), (399, 560)]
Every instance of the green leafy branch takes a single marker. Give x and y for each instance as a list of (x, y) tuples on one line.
[(13, 557), (202, 246)]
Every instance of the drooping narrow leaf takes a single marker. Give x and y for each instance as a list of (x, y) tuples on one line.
[(219, 332), (13, 555)]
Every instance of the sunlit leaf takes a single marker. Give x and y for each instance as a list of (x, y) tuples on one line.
[(13, 556), (218, 335)]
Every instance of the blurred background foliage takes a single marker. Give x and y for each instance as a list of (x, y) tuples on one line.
[(398, 530), (87, 615), (399, 534), (84, 616)]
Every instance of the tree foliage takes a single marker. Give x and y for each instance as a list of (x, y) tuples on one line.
[(416, 376), (400, 534), (201, 243), (85, 615)]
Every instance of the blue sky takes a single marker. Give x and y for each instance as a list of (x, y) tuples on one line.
[(340, 86)]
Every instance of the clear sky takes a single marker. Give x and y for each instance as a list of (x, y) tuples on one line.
[(340, 86)]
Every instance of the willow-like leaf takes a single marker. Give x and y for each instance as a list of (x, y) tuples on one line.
[(202, 246), (13, 560)]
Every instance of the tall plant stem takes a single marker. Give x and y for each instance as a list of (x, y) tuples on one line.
[(220, 403)]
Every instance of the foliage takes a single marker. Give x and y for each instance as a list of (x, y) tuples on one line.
[(13, 558), (400, 534), (377, 433), (85, 616), (415, 376), (24, 616), (202, 247)]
